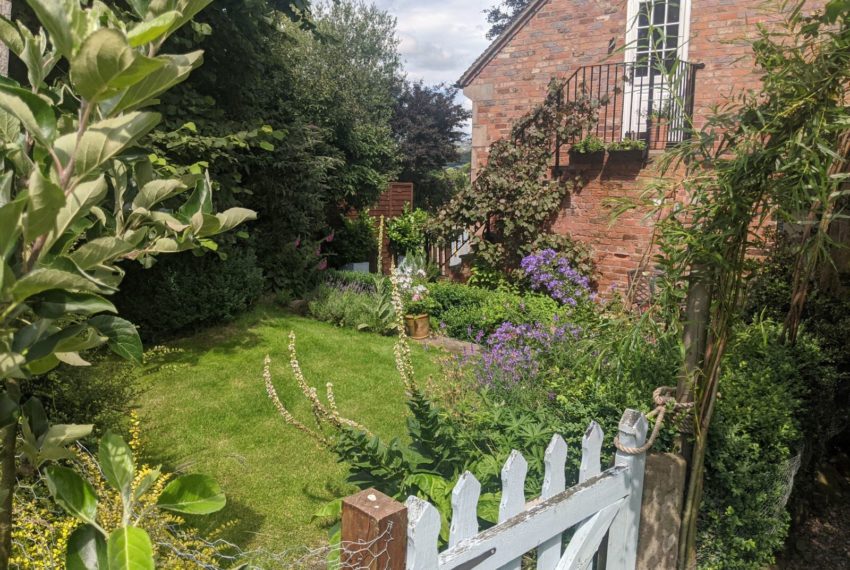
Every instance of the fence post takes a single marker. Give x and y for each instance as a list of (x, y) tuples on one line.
[(623, 534), (374, 532)]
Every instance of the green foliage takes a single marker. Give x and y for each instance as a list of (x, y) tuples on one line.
[(354, 242), (77, 197), (190, 291), (464, 311), (754, 445), (345, 84), (502, 14), (364, 304), (73, 395), (299, 266), (588, 145), (627, 144), (513, 202), (407, 232), (126, 546)]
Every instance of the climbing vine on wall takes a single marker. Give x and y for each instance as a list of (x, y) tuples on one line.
[(514, 201)]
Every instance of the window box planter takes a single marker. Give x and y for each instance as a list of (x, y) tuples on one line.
[(587, 158), (418, 327), (626, 155)]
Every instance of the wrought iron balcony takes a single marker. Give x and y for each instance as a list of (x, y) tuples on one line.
[(637, 100)]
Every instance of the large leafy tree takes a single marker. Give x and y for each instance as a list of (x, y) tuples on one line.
[(345, 83), (501, 15), (428, 126), (78, 195)]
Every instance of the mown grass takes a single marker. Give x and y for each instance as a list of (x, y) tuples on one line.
[(206, 410)]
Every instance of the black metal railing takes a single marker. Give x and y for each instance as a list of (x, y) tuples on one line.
[(637, 100)]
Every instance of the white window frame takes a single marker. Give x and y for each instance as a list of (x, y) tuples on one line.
[(632, 14)]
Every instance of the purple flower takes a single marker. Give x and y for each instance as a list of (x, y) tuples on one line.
[(552, 274)]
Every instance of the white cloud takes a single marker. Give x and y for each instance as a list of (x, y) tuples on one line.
[(439, 38)]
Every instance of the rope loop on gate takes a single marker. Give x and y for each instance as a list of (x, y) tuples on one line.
[(665, 402)]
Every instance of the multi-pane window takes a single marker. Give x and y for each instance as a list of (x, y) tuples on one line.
[(657, 35)]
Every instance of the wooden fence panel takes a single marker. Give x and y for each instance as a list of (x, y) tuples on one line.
[(602, 503)]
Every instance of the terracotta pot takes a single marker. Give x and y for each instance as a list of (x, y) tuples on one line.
[(417, 327)]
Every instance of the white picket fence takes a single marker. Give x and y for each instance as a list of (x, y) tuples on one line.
[(602, 503)]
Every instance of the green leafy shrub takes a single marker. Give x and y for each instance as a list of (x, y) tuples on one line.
[(755, 445), (365, 306), (588, 145), (465, 311), (407, 231), (186, 291), (365, 280), (297, 267), (355, 242)]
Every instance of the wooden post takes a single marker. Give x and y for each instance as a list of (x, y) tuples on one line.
[(374, 532)]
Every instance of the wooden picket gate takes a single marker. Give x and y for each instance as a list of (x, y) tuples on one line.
[(379, 533)]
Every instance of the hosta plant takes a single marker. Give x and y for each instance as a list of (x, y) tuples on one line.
[(77, 196)]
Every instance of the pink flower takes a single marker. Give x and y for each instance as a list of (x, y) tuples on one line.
[(323, 264), (330, 237), (298, 242)]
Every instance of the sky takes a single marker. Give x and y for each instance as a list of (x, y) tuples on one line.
[(439, 38)]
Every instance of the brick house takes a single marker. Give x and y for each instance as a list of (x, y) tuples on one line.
[(703, 44)]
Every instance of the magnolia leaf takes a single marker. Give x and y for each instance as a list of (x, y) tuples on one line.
[(129, 548), (42, 280), (106, 65), (116, 462), (46, 199), (64, 434), (103, 141), (156, 191), (231, 218), (188, 10), (123, 338), (63, 20), (176, 69), (10, 128), (151, 30), (10, 226), (204, 225), (77, 205), (33, 411), (34, 113), (10, 36), (200, 201), (170, 245), (98, 251), (170, 221), (72, 493), (57, 303), (140, 7), (10, 364), (72, 359), (33, 56), (46, 346), (192, 494), (86, 550), (9, 409)]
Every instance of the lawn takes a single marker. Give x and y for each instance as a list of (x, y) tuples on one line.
[(207, 411)]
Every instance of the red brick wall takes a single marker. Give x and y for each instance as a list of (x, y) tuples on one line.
[(566, 34)]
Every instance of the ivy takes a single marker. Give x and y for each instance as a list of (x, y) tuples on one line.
[(514, 201)]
